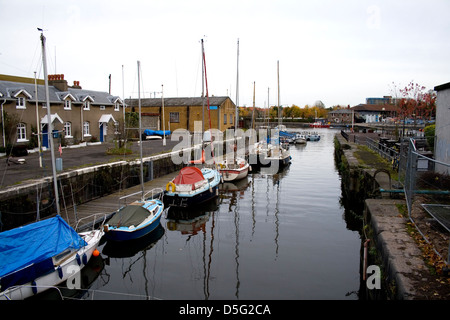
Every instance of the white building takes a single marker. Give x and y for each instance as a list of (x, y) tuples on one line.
[(442, 143)]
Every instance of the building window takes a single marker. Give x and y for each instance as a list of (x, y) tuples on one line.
[(231, 119), (86, 131), (68, 130), (102, 107), (20, 103), (116, 106), (87, 105), (21, 132), (175, 117), (224, 119), (67, 105)]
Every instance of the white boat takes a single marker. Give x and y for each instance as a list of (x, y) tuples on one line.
[(41, 255), (234, 169), (300, 139)]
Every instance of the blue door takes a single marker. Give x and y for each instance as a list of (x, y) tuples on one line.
[(45, 142), (101, 132)]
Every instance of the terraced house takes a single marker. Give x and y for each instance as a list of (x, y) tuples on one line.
[(76, 114)]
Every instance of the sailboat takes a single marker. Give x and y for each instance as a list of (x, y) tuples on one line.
[(192, 185), (271, 152), (236, 168), (140, 217), (43, 254)]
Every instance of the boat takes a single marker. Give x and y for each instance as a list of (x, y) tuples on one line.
[(235, 168), (312, 136), (192, 186), (140, 217), (41, 255), (319, 124), (149, 134), (136, 219), (300, 138)]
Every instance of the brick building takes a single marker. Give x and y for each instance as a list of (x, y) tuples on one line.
[(181, 113)]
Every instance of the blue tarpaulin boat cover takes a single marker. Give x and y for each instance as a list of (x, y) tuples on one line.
[(149, 132), (36, 243)]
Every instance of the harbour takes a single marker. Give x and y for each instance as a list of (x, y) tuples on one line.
[(265, 237)]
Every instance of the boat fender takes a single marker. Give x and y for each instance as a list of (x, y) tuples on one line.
[(78, 259), (249, 168), (60, 272), (210, 189), (85, 260), (170, 186)]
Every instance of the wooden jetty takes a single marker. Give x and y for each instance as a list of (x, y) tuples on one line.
[(89, 213)]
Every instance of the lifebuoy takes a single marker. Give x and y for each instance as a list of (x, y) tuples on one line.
[(170, 185)]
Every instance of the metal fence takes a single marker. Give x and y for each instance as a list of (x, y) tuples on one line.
[(424, 180)]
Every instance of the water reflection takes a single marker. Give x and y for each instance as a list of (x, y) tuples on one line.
[(268, 236)]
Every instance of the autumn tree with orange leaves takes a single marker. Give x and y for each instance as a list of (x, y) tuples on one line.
[(415, 103)]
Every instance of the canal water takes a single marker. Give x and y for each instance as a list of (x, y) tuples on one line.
[(281, 236)]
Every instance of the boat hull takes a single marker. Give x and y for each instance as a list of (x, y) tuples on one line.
[(66, 271), (189, 200), (127, 234), (234, 174)]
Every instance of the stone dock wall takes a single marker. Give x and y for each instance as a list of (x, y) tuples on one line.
[(384, 228)]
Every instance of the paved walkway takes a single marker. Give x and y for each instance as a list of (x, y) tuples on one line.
[(73, 158)]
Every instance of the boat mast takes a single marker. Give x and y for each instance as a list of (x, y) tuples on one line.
[(237, 92), (49, 122), (203, 93), (140, 128)]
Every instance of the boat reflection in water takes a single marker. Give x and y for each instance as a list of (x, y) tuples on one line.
[(128, 249), (190, 221)]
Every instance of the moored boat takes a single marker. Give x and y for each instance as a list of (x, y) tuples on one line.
[(136, 219), (234, 169), (41, 255), (192, 186)]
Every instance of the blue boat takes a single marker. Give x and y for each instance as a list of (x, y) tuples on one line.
[(134, 220), (192, 186), (41, 255)]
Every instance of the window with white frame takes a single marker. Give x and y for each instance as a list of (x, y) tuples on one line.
[(20, 103), (67, 129), (102, 107), (86, 130), (87, 105), (67, 104), (21, 132), (116, 106)]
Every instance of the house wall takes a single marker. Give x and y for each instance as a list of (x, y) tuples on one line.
[(442, 144)]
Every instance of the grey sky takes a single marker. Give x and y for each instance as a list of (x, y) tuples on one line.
[(339, 52)]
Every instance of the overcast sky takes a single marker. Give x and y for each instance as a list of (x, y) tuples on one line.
[(339, 52)]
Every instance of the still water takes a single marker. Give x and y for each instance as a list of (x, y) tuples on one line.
[(281, 236)]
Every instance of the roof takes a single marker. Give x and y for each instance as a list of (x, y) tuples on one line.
[(442, 87), (177, 102), (10, 89), (341, 111), (375, 107)]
